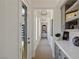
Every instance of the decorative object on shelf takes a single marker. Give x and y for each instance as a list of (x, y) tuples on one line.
[(70, 15), (76, 41), (72, 24), (66, 35), (58, 35)]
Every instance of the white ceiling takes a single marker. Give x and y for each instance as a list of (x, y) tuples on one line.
[(45, 3)]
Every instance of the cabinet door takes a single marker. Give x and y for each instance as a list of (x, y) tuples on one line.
[(58, 52), (64, 56)]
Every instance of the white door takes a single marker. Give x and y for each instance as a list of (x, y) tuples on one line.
[(24, 32)]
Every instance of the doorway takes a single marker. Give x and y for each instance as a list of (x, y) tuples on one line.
[(44, 30)]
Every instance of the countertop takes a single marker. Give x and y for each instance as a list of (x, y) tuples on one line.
[(71, 51)]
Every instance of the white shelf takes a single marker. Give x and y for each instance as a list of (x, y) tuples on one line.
[(72, 18), (72, 30), (75, 6)]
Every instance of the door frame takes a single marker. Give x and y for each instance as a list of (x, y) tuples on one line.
[(20, 28), (29, 51)]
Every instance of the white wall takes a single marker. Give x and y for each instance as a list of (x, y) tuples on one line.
[(36, 31), (34, 34), (50, 37), (32, 31), (9, 29), (56, 23), (2, 30)]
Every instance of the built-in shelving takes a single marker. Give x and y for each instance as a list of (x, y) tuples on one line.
[(72, 18), (72, 30), (72, 14), (74, 7)]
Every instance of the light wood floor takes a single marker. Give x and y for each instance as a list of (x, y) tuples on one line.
[(43, 51)]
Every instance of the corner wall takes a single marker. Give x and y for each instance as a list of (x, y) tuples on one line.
[(56, 23), (36, 30)]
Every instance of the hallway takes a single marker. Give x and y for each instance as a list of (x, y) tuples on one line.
[(43, 51)]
